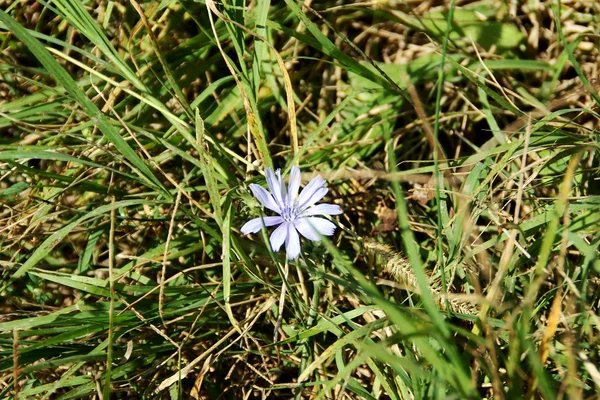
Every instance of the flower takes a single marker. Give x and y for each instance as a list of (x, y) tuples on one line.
[(296, 212)]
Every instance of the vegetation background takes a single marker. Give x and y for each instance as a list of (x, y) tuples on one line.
[(459, 137)]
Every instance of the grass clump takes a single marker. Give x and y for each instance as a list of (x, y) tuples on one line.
[(459, 138)]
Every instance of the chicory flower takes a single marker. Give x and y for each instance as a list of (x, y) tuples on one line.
[(297, 212)]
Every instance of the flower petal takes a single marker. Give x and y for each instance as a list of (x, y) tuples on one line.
[(281, 185), (306, 229), (307, 193), (321, 225), (264, 197), (256, 224), (275, 186), (294, 184), (292, 242), (323, 209), (279, 236), (316, 196)]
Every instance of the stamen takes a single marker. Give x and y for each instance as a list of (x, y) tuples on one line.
[(289, 212)]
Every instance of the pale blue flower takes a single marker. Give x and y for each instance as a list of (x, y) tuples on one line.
[(297, 213)]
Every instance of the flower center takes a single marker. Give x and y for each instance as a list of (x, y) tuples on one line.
[(289, 213)]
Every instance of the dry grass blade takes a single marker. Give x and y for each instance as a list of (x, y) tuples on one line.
[(161, 296)]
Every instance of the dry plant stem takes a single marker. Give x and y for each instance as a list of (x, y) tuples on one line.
[(161, 296), (111, 265), (286, 270)]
